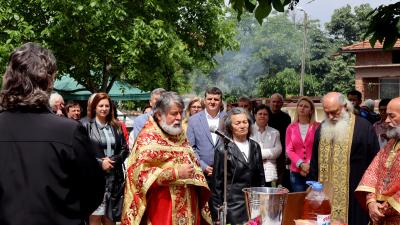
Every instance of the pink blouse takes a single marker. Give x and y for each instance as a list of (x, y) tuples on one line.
[(296, 148)]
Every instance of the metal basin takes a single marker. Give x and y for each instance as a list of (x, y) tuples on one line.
[(265, 205)]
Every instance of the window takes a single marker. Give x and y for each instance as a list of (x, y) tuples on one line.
[(389, 88)]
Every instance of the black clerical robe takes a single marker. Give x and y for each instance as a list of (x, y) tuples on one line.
[(364, 147)]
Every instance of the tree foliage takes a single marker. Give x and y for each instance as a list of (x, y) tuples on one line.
[(287, 83), (264, 51), (261, 8), (146, 43), (269, 58), (384, 25), (348, 25), (340, 78)]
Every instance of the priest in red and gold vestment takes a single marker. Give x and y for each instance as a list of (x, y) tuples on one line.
[(165, 184), (379, 189)]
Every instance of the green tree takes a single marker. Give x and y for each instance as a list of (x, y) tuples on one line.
[(287, 83), (347, 25), (146, 43), (382, 23), (320, 49), (263, 51), (341, 76)]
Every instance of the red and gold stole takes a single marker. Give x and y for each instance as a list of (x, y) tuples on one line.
[(383, 177), (334, 171), (153, 158)]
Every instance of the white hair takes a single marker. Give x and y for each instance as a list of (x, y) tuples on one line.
[(349, 106), (54, 97), (343, 101), (370, 104)]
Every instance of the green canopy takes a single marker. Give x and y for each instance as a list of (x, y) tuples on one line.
[(71, 90)]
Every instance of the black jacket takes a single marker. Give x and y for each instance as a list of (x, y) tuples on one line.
[(48, 171), (115, 178), (121, 148), (241, 174)]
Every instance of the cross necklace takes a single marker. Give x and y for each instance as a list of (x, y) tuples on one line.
[(388, 164)]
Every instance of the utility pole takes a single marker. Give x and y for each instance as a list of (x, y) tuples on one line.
[(303, 58)]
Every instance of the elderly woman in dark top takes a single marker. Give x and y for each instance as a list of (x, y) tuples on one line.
[(111, 150), (245, 167)]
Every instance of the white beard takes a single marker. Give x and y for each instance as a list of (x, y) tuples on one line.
[(172, 129), (336, 132), (393, 132)]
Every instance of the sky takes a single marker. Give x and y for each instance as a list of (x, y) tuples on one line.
[(323, 9)]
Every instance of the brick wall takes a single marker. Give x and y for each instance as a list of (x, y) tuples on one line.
[(367, 79), (373, 58)]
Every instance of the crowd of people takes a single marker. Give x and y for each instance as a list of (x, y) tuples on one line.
[(169, 169)]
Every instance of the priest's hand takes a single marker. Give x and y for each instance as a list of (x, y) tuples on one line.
[(186, 171), (375, 212)]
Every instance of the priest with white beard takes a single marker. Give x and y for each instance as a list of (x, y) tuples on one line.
[(164, 182), (344, 146)]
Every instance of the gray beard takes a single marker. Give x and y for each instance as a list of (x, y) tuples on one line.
[(170, 129), (393, 132), (336, 132)]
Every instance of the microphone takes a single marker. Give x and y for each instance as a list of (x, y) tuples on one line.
[(221, 134)]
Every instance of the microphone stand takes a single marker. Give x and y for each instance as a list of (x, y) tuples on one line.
[(224, 208)]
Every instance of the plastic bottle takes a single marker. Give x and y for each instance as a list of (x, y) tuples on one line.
[(317, 206)]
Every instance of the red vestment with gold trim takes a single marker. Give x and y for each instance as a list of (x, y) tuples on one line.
[(381, 182), (154, 194)]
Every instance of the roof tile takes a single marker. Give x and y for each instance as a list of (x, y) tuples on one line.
[(364, 45)]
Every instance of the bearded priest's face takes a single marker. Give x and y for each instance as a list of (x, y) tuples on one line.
[(171, 121)]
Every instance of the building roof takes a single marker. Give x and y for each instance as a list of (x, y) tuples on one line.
[(366, 46), (69, 88)]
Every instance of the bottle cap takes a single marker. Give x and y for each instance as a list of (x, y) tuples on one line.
[(316, 186)]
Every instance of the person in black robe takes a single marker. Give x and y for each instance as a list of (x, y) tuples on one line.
[(48, 171), (280, 121), (244, 168), (344, 146)]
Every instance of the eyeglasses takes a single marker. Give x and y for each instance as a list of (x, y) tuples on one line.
[(196, 107)]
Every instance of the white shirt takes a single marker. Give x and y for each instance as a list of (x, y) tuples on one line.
[(271, 148), (303, 130), (213, 123), (244, 147)]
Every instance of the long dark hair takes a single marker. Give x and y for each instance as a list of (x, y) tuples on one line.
[(28, 79), (110, 117)]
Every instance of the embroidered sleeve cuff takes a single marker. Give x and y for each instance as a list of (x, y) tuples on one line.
[(299, 162), (166, 176)]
